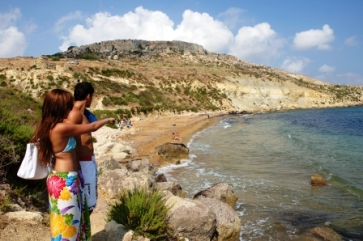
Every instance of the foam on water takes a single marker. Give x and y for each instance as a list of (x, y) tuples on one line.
[(268, 160)]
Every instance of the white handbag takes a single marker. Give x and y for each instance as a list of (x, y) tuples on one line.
[(30, 167)]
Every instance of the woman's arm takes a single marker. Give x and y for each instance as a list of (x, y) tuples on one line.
[(69, 129)]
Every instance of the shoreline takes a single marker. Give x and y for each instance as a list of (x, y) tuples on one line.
[(153, 131)]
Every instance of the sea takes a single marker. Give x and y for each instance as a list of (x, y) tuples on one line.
[(268, 160)]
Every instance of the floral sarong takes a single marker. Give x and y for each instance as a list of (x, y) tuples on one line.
[(69, 216)]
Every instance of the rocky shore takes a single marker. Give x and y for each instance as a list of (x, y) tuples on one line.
[(127, 158)]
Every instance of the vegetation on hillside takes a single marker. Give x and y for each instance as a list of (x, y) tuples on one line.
[(19, 114)]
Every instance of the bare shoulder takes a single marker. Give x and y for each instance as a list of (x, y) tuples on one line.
[(75, 116)]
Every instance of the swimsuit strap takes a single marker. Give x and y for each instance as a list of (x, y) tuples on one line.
[(71, 144)]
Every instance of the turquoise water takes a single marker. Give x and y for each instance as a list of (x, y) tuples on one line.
[(268, 160)]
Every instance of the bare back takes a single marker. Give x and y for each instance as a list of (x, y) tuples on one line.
[(84, 142), (65, 161)]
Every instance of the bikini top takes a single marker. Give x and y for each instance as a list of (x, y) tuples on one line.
[(70, 145)]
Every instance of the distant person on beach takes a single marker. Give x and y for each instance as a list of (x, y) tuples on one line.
[(129, 124), (120, 123), (176, 136), (69, 216), (83, 94)]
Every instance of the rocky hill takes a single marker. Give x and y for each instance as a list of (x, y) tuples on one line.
[(144, 76)]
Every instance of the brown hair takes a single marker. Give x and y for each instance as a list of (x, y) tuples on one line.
[(56, 106)]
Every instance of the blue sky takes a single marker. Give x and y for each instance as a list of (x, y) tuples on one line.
[(316, 38)]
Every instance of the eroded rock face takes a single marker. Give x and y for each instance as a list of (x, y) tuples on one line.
[(220, 191), (190, 219), (112, 182), (228, 222), (325, 233), (173, 150), (114, 48), (29, 217), (172, 187)]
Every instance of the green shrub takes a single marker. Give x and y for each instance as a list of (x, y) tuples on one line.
[(142, 211), (90, 57)]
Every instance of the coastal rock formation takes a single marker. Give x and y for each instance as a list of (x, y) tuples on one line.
[(317, 180), (324, 233), (172, 150), (220, 191), (173, 187), (228, 223), (190, 219), (115, 48)]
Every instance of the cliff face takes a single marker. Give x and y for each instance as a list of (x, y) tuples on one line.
[(115, 48), (173, 75)]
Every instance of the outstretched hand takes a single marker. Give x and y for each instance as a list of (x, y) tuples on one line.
[(111, 121)]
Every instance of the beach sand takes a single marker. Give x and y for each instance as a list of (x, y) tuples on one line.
[(144, 136), (146, 133)]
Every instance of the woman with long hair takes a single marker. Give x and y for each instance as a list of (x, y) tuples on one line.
[(69, 218)]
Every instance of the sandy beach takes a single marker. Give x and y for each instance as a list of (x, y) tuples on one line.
[(149, 132), (145, 134)]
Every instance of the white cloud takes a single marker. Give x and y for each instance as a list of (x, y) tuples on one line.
[(349, 79), (259, 42), (314, 38), (294, 64), (12, 41), (9, 19), (231, 17), (326, 69), (141, 24), (352, 41), (202, 29), (61, 23), (151, 25), (30, 27), (342, 79)]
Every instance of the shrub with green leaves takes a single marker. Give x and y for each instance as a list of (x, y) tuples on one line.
[(143, 211)]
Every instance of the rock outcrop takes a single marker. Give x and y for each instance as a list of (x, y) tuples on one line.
[(219, 191), (115, 48)]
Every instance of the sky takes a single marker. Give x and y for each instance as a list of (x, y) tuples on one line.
[(316, 38)]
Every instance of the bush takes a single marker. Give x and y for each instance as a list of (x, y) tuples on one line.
[(19, 114), (142, 211)]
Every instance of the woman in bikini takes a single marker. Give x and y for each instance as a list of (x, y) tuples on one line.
[(69, 218)]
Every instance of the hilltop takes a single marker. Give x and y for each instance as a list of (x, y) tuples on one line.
[(138, 76)]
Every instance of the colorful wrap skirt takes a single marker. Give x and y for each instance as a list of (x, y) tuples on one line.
[(69, 214)]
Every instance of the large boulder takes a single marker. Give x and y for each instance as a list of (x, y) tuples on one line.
[(228, 222), (325, 233), (190, 219), (317, 180), (141, 165), (113, 182), (172, 187), (220, 191), (29, 217), (173, 150)]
